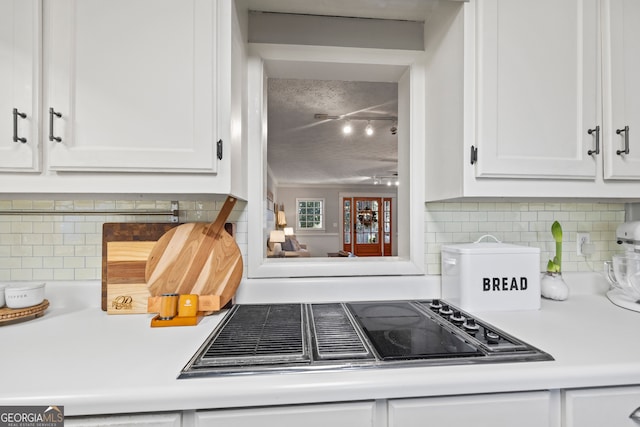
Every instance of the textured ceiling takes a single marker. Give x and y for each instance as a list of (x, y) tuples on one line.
[(305, 150)]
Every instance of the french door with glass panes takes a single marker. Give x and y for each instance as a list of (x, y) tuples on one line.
[(366, 226)]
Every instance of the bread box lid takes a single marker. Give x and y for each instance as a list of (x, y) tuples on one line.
[(496, 247), (489, 248)]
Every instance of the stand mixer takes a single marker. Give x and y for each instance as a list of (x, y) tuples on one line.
[(628, 235), (626, 268)]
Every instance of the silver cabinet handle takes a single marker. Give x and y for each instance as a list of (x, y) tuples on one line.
[(595, 130), (626, 140), (17, 114), (635, 415), (53, 113)]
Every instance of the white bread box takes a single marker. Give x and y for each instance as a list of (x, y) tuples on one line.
[(491, 276)]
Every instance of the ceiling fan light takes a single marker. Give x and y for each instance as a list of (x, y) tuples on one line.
[(346, 129), (369, 129)]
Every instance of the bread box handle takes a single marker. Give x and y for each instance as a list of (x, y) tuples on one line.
[(488, 235)]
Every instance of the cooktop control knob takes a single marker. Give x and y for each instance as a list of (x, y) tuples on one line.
[(471, 325), (435, 304), (446, 310), (457, 318), (491, 337)]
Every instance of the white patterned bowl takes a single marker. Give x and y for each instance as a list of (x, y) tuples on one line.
[(21, 295)]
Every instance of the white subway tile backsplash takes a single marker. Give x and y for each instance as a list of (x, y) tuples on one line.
[(43, 250), (63, 250), (32, 239), (41, 274), (21, 251), (527, 224), (64, 274), (69, 246), (53, 262), (73, 262), (31, 262)]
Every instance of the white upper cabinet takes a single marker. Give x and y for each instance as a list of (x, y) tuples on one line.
[(130, 85), (536, 64), (19, 85), (138, 96), (621, 53), (524, 99)]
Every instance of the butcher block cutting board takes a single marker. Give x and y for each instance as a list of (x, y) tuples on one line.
[(125, 249)]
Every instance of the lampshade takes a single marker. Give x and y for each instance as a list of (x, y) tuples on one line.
[(277, 236), (288, 231)]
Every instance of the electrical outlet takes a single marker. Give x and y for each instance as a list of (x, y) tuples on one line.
[(581, 239)]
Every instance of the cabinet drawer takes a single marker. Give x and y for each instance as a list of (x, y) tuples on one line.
[(597, 407), (137, 420), (356, 414), (530, 409)]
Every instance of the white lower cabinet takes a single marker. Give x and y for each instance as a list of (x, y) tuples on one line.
[(597, 407), (591, 407), (353, 414), (528, 409), (171, 419)]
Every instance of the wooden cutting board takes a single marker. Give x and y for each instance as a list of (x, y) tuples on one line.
[(196, 258), (125, 248)]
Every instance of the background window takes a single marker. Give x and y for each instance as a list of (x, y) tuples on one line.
[(310, 214)]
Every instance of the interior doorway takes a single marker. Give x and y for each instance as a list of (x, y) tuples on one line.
[(367, 226)]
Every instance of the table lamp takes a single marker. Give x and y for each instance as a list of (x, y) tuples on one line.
[(277, 238)]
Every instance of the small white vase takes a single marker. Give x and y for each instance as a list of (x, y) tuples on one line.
[(553, 286)]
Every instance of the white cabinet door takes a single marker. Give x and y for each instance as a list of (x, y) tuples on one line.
[(358, 414), (537, 76), (142, 420), (611, 407), (131, 85), (530, 409), (621, 55), (19, 85)]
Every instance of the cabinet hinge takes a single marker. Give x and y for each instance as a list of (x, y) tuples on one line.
[(474, 154), (219, 149)]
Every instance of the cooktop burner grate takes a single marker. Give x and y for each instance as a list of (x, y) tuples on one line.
[(260, 333), (334, 333)]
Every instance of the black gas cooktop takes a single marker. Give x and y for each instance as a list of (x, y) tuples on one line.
[(379, 334)]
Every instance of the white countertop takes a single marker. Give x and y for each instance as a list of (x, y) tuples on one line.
[(95, 363)]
